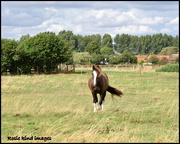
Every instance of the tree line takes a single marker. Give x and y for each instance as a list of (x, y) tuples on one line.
[(44, 51)]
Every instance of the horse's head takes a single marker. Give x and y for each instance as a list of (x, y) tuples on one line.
[(96, 72)]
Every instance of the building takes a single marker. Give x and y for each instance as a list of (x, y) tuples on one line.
[(141, 57), (171, 57), (159, 56)]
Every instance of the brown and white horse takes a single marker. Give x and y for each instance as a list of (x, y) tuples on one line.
[(98, 84)]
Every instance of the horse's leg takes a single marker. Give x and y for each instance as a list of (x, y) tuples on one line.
[(95, 101), (102, 100)]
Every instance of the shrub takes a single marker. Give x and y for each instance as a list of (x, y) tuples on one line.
[(153, 59), (163, 61), (141, 62), (169, 68), (177, 60)]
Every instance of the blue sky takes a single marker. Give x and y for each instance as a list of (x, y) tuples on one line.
[(89, 17)]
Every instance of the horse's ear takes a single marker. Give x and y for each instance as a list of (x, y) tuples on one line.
[(93, 67), (98, 67)]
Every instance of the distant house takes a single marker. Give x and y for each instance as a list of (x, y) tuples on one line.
[(116, 55), (141, 57), (159, 56), (173, 57)]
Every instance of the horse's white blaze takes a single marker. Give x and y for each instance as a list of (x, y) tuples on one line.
[(95, 76)]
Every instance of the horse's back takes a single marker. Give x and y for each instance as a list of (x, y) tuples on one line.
[(104, 81)]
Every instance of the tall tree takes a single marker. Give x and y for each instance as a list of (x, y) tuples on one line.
[(9, 55), (45, 51), (124, 41), (176, 41), (117, 41), (93, 47), (97, 38), (133, 44), (106, 51), (80, 47), (70, 38), (24, 38), (169, 50), (144, 44), (157, 43), (107, 41), (65, 35)]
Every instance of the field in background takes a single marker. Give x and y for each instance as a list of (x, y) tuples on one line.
[(60, 107)]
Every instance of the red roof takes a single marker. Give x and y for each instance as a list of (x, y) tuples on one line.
[(145, 57), (160, 56), (141, 57)]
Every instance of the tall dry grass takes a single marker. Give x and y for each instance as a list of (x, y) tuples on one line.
[(60, 106)]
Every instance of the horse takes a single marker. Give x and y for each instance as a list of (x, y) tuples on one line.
[(98, 83)]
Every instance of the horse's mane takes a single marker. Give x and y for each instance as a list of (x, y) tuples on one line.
[(97, 68)]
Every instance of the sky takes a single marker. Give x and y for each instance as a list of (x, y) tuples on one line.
[(89, 17)]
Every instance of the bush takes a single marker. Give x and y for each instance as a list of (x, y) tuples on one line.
[(153, 60), (141, 62), (163, 61), (169, 68), (106, 51)]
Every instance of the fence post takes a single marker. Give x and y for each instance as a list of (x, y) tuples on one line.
[(17, 71)]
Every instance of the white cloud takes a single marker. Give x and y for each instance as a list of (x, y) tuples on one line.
[(135, 29), (55, 28), (174, 21), (87, 18), (150, 20), (165, 30)]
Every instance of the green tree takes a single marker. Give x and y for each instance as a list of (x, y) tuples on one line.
[(45, 51), (123, 42), (114, 60), (167, 40), (169, 50), (106, 51), (9, 56), (69, 38), (97, 58), (144, 44), (117, 42), (133, 44), (157, 43), (93, 47), (82, 58), (107, 41), (80, 47), (176, 41), (24, 38), (65, 35), (86, 40), (127, 57), (97, 38)]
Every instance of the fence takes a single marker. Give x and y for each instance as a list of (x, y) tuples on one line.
[(66, 68), (125, 67), (62, 68)]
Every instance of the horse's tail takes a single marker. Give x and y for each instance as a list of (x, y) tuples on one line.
[(114, 91)]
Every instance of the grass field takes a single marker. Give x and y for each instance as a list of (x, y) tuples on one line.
[(59, 108)]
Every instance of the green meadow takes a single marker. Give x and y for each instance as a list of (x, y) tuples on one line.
[(59, 108)]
